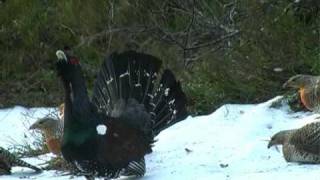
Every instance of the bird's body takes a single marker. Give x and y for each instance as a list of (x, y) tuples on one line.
[(54, 145), (309, 90), (8, 160), (115, 129), (52, 130), (299, 145), (292, 154)]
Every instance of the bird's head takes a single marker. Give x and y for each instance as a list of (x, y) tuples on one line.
[(44, 124), (297, 81), (279, 138), (67, 63)]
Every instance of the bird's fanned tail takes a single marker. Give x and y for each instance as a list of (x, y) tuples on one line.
[(134, 75), (123, 76)]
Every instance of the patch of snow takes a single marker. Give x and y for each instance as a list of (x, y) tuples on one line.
[(228, 144)]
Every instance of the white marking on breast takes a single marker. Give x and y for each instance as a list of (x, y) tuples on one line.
[(101, 129)]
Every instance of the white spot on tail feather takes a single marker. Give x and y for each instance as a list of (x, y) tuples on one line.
[(152, 104), (109, 81), (172, 101), (124, 74), (175, 112), (166, 92), (101, 129)]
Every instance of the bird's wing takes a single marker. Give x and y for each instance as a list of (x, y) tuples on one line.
[(127, 138), (307, 138), (123, 143)]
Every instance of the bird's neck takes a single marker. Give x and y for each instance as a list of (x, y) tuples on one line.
[(286, 135), (78, 87), (68, 103), (52, 133), (76, 98)]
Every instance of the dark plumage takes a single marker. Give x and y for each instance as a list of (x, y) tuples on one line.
[(116, 128)]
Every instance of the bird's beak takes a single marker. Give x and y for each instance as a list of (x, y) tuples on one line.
[(270, 144), (61, 55), (32, 127)]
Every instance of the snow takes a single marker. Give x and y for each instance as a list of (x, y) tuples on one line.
[(231, 143)]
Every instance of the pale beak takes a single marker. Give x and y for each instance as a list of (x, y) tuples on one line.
[(60, 55)]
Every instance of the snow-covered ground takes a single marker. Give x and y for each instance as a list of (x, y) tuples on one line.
[(228, 144)]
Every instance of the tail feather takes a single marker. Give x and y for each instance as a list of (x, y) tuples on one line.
[(19, 162), (169, 103), (135, 168), (123, 76), (134, 75), (14, 161)]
